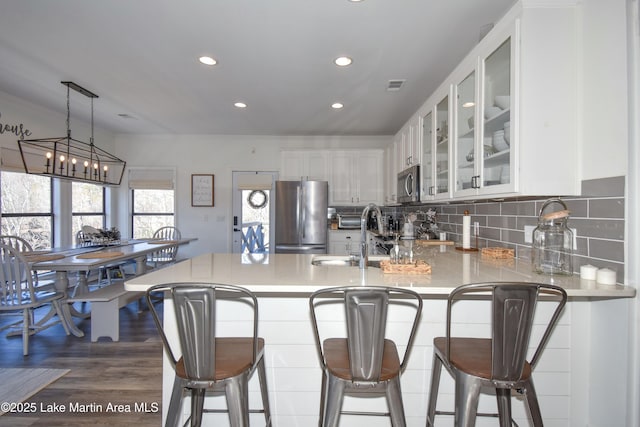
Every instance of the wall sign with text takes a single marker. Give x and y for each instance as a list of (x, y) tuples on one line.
[(201, 190)]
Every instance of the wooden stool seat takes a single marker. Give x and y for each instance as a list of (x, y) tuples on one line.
[(472, 355), (336, 353), (233, 357)]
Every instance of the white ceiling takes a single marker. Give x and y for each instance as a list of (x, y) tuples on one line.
[(140, 57)]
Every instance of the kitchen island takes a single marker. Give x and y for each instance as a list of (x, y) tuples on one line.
[(283, 283)]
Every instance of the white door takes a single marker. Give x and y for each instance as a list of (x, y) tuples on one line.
[(253, 211)]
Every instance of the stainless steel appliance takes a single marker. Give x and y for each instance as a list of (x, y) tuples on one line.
[(301, 217), (409, 185), (349, 222)]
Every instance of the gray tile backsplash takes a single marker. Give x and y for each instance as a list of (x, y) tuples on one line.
[(603, 187), (597, 217)]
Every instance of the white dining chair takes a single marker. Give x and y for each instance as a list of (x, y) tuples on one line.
[(168, 255), (18, 295)]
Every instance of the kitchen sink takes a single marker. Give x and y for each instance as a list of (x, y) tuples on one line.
[(345, 260)]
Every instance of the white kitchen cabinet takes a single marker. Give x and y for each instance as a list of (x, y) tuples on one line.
[(404, 152), (442, 148), (427, 168), (410, 149), (436, 147), (344, 242), (518, 82), (434, 120), (356, 178), (391, 173), (304, 164), (347, 242), (483, 152)]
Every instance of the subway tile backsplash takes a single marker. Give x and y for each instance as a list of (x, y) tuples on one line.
[(597, 217)]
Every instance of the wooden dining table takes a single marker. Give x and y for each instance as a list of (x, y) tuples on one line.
[(83, 259)]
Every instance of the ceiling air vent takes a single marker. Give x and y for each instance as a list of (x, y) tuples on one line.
[(395, 85)]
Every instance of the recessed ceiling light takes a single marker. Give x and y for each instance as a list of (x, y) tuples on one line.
[(207, 60), (337, 105), (468, 104), (343, 61), (240, 105)]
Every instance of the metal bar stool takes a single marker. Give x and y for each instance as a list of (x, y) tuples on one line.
[(209, 362), (499, 362), (364, 361)]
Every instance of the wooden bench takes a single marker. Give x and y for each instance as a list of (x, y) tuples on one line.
[(106, 303)]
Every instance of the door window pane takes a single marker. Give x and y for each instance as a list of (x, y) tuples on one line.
[(255, 216)]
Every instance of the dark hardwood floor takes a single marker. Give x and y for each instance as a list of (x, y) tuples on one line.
[(127, 372)]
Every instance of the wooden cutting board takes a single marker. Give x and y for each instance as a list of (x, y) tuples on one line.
[(433, 242)]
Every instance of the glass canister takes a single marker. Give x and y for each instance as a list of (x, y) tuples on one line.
[(553, 240)]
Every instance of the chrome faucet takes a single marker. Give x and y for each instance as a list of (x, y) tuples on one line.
[(364, 246)]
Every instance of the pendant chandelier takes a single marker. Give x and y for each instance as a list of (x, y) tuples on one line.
[(68, 158)]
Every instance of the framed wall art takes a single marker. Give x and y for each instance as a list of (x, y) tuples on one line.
[(201, 190)]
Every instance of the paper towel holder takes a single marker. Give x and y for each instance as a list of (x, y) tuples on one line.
[(470, 249)]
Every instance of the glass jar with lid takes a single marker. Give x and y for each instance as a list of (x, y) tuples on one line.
[(553, 240)]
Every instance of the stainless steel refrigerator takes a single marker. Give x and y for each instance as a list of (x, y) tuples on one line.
[(301, 217)]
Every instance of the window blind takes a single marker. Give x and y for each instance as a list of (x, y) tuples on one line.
[(152, 179), (254, 181)]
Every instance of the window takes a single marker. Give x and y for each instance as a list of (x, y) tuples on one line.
[(152, 198), (87, 206), (27, 208), (152, 209)]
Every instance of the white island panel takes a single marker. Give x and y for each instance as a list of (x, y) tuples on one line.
[(283, 283)]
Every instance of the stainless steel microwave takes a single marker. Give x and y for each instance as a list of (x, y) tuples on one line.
[(409, 185)]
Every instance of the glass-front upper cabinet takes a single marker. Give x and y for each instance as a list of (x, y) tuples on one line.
[(465, 135), (427, 186), (442, 147), (497, 108)]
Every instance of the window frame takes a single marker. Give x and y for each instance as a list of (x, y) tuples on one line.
[(103, 212), (150, 214), (51, 213)]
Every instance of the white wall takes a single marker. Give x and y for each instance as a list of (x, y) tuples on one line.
[(604, 83), (218, 155), (608, 149), (45, 123)]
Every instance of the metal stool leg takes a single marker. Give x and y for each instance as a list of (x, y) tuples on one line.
[(467, 394), (264, 391), (175, 404), (394, 401), (433, 393), (532, 401), (237, 394), (333, 401), (503, 395), (323, 393), (197, 405)]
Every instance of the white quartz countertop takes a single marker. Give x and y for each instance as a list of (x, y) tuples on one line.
[(291, 275)]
